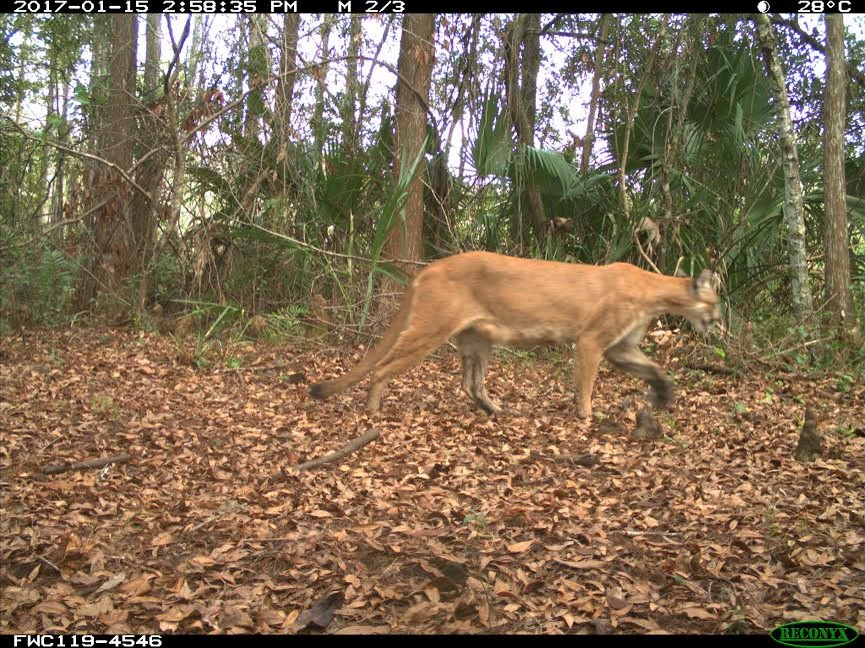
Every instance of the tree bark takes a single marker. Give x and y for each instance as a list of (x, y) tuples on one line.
[(838, 297), (152, 65), (794, 209), (259, 69), (59, 189), (416, 59), (150, 173), (50, 111), (109, 261), (285, 91), (288, 66), (320, 74), (349, 114)]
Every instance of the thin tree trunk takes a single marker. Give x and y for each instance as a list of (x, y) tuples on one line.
[(794, 208), (285, 91), (193, 60), (320, 75), (258, 71), (471, 94), (522, 62), (361, 110), (57, 196), (416, 59), (632, 112), (600, 60), (288, 66), (50, 115), (151, 61), (26, 33), (838, 296), (466, 76), (669, 151), (349, 116), (149, 174), (95, 117), (693, 49)]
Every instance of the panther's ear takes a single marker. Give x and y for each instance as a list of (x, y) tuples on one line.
[(703, 282)]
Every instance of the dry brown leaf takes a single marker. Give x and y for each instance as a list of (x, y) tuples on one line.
[(164, 538), (649, 544), (520, 547)]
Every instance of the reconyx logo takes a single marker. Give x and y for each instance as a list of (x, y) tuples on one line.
[(813, 634)]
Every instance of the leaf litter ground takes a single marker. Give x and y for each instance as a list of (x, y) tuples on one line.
[(451, 521)]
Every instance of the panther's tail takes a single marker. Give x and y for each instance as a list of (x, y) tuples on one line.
[(320, 391)]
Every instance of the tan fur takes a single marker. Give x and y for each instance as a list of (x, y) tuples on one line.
[(483, 299)]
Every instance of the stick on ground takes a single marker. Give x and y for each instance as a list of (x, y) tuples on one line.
[(352, 446), (90, 463)]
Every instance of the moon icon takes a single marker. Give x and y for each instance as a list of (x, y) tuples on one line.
[(763, 6)]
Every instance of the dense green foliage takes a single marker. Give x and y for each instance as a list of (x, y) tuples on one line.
[(263, 224)]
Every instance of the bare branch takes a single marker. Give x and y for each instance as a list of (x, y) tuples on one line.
[(88, 156), (337, 255), (793, 25)]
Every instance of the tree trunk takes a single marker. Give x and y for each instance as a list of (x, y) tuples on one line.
[(320, 74), (194, 71), (258, 71), (794, 210), (599, 71), (668, 153), (469, 96), (629, 126), (50, 116), (364, 93), (285, 91), (152, 65), (154, 148), (522, 62), (118, 133), (59, 190), (112, 251), (838, 296), (349, 114), (416, 58)]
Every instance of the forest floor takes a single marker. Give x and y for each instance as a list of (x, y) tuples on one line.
[(451, 521)]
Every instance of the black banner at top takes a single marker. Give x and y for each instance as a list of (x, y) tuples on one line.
[(431, 6)]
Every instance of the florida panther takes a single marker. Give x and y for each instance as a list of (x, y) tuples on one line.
[(482, 299)]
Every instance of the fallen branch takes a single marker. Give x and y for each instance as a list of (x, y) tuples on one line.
[(352, 446), (665, 534), (796, 347), (573, 459), (90, 463)]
